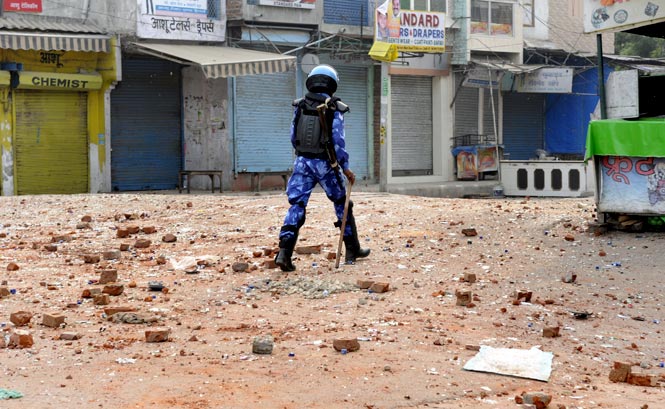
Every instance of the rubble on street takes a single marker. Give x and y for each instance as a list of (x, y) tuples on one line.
[(174, 300)]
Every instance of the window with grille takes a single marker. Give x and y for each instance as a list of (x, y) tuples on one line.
[(347, 12), (491, 17), (424, 5), (215, 9)]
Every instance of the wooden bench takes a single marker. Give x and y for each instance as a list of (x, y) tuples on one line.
[(257, 177), (187, 174)]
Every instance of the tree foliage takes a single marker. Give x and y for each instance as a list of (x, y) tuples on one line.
[(637, 45)]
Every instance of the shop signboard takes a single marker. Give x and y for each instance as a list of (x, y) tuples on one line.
[(616, 15), (179, 20), (23, 6), (409, 30), (296, 4)]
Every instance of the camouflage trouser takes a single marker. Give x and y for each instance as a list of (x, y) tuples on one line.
[(306, 174)]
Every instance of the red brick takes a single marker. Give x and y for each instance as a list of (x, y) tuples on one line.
[(551, 332), (70, 336), (113, 289), (350, 345), (379, 287), (20, 318), (101, 299), (142, 244), (108, 276), (463, 298), (53, 321), (113, 310), (20, 339), (620, 372), (642, 379), (157, 335), (364, 284)]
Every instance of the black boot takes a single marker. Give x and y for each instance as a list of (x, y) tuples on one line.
[(283, 258), (352, 244)]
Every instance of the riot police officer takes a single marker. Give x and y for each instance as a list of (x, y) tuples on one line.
[(317, 135)]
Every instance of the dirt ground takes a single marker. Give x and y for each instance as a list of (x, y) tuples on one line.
[(414, 340)]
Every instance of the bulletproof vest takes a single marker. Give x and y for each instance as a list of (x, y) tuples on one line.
[(309, 134), (310, 138)]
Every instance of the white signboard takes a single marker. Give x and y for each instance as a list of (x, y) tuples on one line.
[(178, 8), (480, 78), (179, 20), (296, 4), (547, 81), (615, 15), (622, 94)]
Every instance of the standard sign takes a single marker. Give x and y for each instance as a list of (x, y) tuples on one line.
[(48, 80)]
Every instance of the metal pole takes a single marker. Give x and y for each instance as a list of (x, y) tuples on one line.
[(601, 77)]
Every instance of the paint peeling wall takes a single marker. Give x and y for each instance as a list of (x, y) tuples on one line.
[(7, 158), (207, 144)]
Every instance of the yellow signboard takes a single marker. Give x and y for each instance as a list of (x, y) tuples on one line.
[(409, 30), (57, 81)]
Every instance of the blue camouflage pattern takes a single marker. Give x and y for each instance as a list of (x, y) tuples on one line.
[(307, 173)]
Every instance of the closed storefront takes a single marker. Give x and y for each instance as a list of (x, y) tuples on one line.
[(411, 121), (51, 142), (55, 117), (353, 91), (146, 126), (263, 118), (523, 125)]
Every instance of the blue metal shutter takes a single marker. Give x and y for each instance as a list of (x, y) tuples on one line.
[(264, 113), (353, 91), (146, 126), (347, 12), (522, 124)]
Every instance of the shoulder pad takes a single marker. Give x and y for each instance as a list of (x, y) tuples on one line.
[(296, 102), (341, 106)]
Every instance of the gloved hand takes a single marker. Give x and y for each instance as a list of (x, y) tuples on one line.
[(350, 176)]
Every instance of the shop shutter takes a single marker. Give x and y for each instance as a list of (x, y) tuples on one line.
[(411, 125), (263, 115), (466, 109), (146, 131), (353, 91), (491, 119), (522, 125), (51, 142)]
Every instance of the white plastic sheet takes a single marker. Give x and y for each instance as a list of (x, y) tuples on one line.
[(522, 363)]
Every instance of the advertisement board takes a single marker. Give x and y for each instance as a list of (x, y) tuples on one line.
[(632, 184), (618, 15), (179, 20), (414, 31), (23, 6)]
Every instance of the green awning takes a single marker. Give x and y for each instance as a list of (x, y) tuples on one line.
[(383, 51), (643, 138)]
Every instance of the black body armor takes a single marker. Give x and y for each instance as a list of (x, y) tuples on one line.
[(310, 139)]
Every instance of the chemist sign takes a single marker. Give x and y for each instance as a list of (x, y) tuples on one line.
[(415, 31)]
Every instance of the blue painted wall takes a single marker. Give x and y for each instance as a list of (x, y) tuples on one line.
[(567, 115)]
